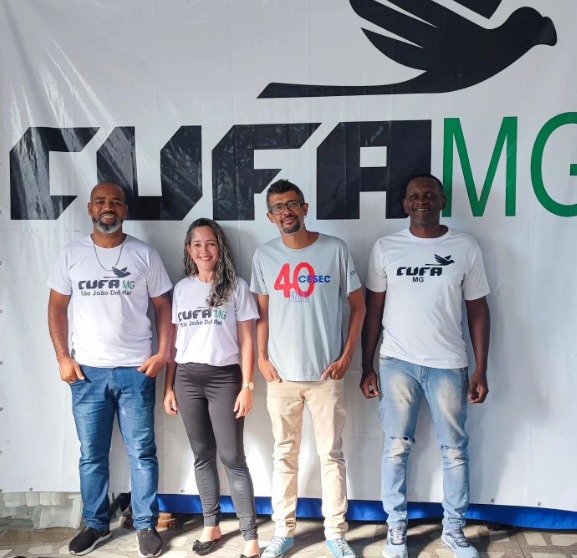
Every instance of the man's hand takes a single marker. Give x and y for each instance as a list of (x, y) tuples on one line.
[(244, 403), (479, 321), (268, 370), (70, 370), (154, 365), (478, 387), (336, 370), (170, 404), (369, 384)]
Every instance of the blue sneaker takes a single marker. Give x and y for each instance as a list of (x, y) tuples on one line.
[(278, 546), (456, 541), (396, 545), (340, 548)]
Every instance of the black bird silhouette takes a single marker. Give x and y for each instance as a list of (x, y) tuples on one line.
[(485, 8), (453, 52), (121, 272), (443, 261)]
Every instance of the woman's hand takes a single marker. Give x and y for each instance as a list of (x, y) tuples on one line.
[(244, 403), (170, 404)]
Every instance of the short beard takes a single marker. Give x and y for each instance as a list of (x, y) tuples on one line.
[(107, 229), (292, 230)]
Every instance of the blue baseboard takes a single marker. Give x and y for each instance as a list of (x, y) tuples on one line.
[(362, 510)]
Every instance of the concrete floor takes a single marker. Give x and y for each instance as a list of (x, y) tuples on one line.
[(18, 539)]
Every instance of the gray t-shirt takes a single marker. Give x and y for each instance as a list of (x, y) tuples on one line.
[(305, 288)]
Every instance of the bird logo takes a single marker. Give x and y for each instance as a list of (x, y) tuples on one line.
[(443, 260), (120, 272), (452, 51)]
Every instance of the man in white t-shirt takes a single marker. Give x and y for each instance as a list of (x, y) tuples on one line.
[(426, 272), (109, 277), (301, 280)]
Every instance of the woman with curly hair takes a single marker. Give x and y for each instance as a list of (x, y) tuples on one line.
[(211, 381)]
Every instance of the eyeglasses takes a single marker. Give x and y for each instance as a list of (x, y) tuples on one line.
[(293, 205)]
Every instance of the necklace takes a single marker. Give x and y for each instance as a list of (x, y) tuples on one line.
[(98, 259)]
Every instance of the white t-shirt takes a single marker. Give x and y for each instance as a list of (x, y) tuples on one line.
[(109, 323), (209, 335), (305, 288), (426, 280)]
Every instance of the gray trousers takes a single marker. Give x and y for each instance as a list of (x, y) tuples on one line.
[(206, 396)]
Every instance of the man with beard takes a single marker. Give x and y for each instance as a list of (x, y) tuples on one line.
[(109, 276), (300, 279)]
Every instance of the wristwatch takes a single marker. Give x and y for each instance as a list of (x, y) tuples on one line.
[(248, 385)]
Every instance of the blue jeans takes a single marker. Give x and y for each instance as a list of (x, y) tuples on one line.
[(402, 387), (130, 395)]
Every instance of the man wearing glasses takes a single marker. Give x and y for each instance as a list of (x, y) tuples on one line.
[(300, 279)]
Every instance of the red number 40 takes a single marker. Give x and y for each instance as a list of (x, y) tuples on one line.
[(284, 281)]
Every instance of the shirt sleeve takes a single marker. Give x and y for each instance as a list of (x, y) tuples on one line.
[(475, 284), (175, 298), (257, 282), (349, 276), (158, 280), (376, 274), (245, 304), (58, 280)]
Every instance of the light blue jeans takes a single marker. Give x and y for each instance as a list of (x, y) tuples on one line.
[(403, 385), (130, 395)]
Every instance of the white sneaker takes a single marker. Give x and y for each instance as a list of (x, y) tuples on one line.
[(396, 545), (456, 541)]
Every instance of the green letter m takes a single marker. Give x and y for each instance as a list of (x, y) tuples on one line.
[(507, 135)]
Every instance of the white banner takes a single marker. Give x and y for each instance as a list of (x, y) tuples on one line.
[(195, 106)]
